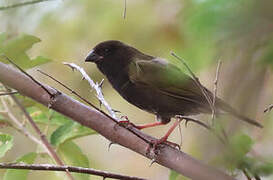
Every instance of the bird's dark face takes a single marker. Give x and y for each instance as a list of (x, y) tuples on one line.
[(108, 52), (113, 58)]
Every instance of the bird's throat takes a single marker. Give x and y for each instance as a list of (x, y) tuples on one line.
[(115, 75)]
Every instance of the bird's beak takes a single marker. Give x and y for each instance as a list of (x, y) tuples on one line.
[(93, 57)]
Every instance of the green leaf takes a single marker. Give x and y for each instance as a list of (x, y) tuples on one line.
[(15, 174), (16, 49), (26, 101), (46, 116), (241, 145), (71, 154), (264, 169), (38, 61), (235, 155), (257, 167), (6, 142), (173, 175), (68, 131)]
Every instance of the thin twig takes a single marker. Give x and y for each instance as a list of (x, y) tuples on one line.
[(21, 128), (269, 108), (51, 167), (246, 174), (43, 138), (257, 177), (215, 89), (8, 93), (125, 9), (21, 4), (187, 119), (180, 133), (95, 86), (196, 80), (33, 79)]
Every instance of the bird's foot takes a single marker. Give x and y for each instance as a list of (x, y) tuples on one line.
[(155, 145), (110, 145), (173, 145), (163, 140), (124, 122)]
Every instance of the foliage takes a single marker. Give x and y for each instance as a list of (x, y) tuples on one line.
[(6, 143), (236, 156), (72, 155), (14, 174), (16, 48), (69, 131), (47, 116)]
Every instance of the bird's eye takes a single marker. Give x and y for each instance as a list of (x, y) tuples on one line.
[(106, 50)]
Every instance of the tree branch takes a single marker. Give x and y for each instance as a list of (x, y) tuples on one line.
[(166, 155), (21, 4), (269, 108), (8, 93), (51, 167)]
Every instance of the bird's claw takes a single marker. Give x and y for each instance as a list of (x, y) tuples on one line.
[(124, 122), (183, 118), (173, 145), (110, 144), (154, 146), (152, 162)]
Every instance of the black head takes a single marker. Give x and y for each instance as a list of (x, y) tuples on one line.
[(113, 57), (109, 51)]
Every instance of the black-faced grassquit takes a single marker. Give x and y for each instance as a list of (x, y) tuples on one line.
[(153, 84)]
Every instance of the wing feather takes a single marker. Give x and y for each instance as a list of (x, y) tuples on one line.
[(167, 78)]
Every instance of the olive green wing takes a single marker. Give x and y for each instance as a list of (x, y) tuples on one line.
[(166, 78)]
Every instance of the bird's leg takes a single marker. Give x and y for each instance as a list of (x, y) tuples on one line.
[(159, 121), (165, 137), (149, 125), (125, 121)]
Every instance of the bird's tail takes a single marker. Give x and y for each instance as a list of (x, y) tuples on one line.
[(227, 108)]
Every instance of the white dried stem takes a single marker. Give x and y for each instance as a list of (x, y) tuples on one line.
[(215, 88), (95, 86)]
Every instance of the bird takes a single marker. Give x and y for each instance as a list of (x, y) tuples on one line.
[(155, 85)]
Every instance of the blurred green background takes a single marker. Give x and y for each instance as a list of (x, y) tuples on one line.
[(238, 32)]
